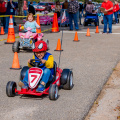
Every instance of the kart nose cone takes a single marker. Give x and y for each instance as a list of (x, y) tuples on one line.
[(24, 89)]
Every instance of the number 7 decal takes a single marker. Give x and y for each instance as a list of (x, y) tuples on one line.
[(35, 76)]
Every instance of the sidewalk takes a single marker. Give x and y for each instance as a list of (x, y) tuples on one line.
[(107, 105)]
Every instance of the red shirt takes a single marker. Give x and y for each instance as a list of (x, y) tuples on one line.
[(115, 8), (2, 7), (107, 5)]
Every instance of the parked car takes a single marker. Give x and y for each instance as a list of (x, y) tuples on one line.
[(42, 6), (52, 4), (45, 20)]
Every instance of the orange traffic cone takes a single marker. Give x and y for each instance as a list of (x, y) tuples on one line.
[(88, 32), (11, 33), (58, 48), (76, 37), (38, 22), (55, 27), (15, 64), (20, 28), (97, 30), (2, 31)]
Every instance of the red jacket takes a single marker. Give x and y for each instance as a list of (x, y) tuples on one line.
[(107, 5), (2, 7), (115, 8)]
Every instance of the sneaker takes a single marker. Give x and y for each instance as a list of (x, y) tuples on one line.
[(104, 32), (40, 88), (109, 33)]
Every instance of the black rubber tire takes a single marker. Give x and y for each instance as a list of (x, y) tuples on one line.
[(85, 24), (53, 92), (15, 46), (102, 22), (68, 77), (10, 88), (96, 23)]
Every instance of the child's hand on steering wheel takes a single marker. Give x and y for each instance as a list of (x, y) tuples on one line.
[(43, 61)]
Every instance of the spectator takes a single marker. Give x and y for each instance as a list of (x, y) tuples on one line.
[(65, 5), (31, 8), (89, 7), (73, 8), (115, 10), (80, 12), (10, 11), (16, 8), (57, 8), (84, 9), (25, 8), (2, 12), (108, 15)]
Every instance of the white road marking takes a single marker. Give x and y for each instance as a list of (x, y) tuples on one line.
[(85, 32)]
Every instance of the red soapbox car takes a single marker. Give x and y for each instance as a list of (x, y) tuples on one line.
[(62, 78)]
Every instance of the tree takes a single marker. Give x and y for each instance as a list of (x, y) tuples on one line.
[(20, 6)]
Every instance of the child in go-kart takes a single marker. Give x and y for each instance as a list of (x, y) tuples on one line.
[(39, 48), (31, 23)]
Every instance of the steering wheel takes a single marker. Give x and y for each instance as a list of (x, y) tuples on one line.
[(35, 62)]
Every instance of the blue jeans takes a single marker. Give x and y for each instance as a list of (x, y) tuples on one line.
[(25, 13), (7, 24), (73, 16), (107, 19), (47, 76), (116, 16)]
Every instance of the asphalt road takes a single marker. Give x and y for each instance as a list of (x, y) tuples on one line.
[(92, 60)]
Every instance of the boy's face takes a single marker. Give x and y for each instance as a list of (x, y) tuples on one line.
[(30, 18), (40, 55)]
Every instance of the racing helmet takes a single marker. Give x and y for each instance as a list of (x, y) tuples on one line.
[(39, 46)]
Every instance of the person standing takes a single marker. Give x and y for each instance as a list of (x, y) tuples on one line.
[(89, 7), (31, 9), (115, 10), (73, 8), (57, 8), (80, 12), (2, 11), (65, 4), (108, 15), (25, 8), (65, 7), (10, 11)]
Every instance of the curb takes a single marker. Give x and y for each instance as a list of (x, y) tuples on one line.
[(107, 105)]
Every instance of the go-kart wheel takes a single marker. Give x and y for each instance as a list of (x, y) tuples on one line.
[(47, 23), (10, 89), (67, 79), (85, 24), (102, 22), (53, 92), (15, 46)]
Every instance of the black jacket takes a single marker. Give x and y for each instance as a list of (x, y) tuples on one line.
[(31, 9)]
